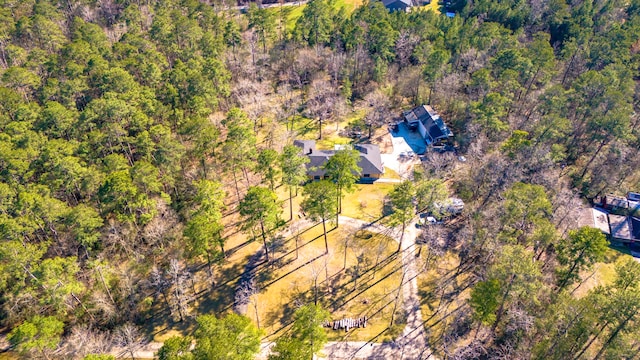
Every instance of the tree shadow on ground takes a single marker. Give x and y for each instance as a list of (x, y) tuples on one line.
[(221, 297)]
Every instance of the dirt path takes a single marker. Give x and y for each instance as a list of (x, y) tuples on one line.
[(412, 343)]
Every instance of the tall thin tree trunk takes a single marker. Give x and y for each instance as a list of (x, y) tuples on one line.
[(346, 245), (586, 167), (264, 241), (475, 336), (326, 244), (501, 308), (246, 176), (566, 278), (401, 237), (526, 92), (560, 333), (395, 305), (315, 290), (566, 72), (210, 269), (235, 182), (290, 203), (586, 347), (104, 283)]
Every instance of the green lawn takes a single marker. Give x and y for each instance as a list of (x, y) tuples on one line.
[(294, 12), (603, 273), (433, 6), (366, 201)]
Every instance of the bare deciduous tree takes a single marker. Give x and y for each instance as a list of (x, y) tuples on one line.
[(437, 163), (378, 109), (159, 283), (247, 294), (314, 268), (405, 44), (323, 102), (84, 340), (129, 338), (160, 228), (179, 281)]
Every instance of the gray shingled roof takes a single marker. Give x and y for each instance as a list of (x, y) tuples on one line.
[(396, 4), (317, 161), (620, 227), (370, 160), (307, 146)]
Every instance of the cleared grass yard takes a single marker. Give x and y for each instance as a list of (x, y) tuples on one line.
[(365, 287), (391, 174), (295, 11), (366, 202), (603, 273), (433, 6)]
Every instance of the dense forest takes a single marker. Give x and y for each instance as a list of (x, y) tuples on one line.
[(131, 132)]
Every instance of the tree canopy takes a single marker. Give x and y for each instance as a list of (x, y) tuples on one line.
[(140, 140)]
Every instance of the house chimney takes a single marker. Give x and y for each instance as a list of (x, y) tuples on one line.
[(310, 150)]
